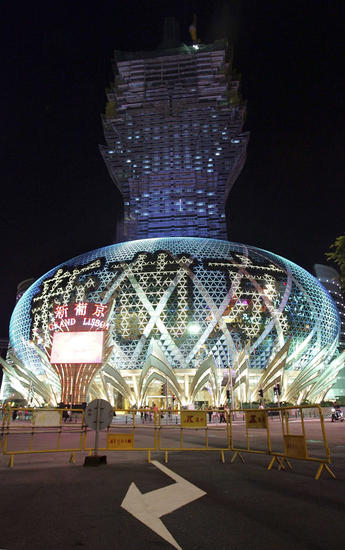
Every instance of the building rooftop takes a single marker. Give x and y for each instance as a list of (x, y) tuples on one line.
[(181, 49)]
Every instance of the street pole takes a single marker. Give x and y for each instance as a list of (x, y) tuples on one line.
[(97, 426), (166, 400), (231, 392)]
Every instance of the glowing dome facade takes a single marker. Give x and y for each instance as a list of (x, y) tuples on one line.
[(180, 309)]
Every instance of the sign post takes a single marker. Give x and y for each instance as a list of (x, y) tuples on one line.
[(98, 416), (97, 426)]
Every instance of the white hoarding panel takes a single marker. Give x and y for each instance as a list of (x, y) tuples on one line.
[(47, 418)]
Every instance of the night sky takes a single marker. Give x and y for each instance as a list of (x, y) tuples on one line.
[(58, 200)]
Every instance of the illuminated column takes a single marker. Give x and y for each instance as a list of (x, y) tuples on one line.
[(186, 390), (75, 381)]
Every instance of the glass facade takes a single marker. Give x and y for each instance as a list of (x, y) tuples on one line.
[(175, 145), (191, 299)]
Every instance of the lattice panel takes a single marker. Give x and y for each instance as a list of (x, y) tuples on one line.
[(234, 294)]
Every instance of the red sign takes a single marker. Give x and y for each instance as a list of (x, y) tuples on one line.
[(79, 317)]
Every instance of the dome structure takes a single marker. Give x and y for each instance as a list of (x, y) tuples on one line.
[(195, 314)]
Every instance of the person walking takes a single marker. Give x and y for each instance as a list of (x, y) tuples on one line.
[(221, 415)]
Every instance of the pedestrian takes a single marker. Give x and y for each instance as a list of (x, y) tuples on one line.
[(221, 415)]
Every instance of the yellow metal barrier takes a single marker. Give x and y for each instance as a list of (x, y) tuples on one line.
[(30, 424), (280, 433), (288, 442), (124, 431), (190, 420)]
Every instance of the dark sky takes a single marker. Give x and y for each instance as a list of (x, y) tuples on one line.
[(57, 197)]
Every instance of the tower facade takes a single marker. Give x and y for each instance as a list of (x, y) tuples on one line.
[(175, 146), (330, 279)]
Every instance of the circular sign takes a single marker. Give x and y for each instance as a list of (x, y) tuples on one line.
[(102, 409)]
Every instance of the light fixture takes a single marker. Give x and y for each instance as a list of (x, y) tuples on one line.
[(193, 328)]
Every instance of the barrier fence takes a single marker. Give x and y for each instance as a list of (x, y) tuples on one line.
[(282, 434), (289, 442), (34, 431)]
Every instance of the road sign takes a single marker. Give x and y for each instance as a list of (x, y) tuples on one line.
[(105, 414)]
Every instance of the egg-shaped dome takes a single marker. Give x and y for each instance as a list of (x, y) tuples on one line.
[(194, 297)]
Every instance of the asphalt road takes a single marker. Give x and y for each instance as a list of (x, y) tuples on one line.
[(48, 503)]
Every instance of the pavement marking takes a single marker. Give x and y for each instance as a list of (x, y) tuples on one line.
[(149, 507)]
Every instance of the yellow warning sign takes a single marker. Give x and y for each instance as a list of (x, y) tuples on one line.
[(256, 419), (295, 446), (193, 419), (120, 441)]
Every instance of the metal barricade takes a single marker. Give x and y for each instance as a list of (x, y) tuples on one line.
[(185, 432), (36, 431), (284, 438), (283, 433), (128, 431)]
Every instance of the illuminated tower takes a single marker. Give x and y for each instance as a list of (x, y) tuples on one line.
[(175, 146), (330, 279)]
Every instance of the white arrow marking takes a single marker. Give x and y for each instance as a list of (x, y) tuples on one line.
[(149, 507)]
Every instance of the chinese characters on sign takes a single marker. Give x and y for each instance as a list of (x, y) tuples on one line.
[(193, 419), (80, 316), (256, 419), (295, 446), (120, 441)]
